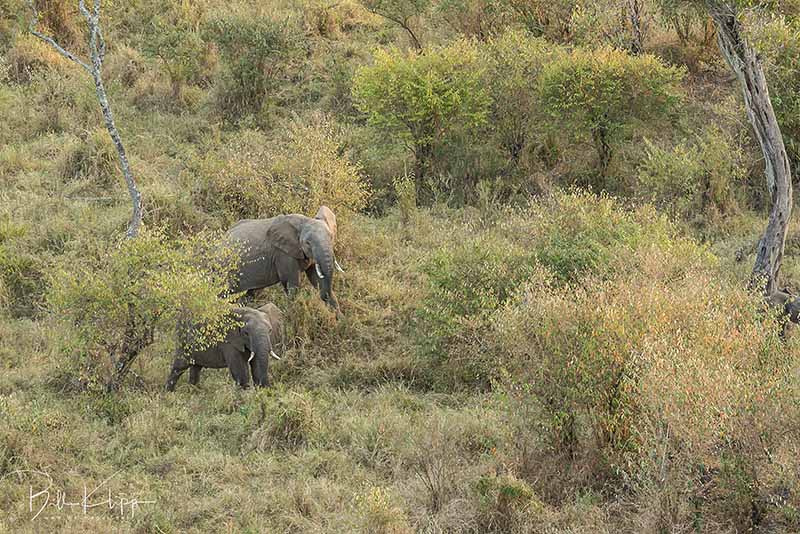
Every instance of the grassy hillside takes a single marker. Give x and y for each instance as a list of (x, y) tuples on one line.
[(546, 240)]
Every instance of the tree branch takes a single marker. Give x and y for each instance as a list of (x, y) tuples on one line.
[(52, 42)]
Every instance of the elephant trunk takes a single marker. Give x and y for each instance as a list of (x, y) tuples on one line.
[(322, 249), (260, 345)]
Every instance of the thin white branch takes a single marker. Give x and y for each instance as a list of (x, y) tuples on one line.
[(52, 42)]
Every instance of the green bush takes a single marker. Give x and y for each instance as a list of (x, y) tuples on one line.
[(467, 284), (697, 182), (178, 44), (258, 177), (116, 300), (579, 234), (423, 98), (255, 50), (514, 63), (779, 45), (603, 93)]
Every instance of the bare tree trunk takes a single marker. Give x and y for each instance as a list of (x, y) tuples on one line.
[(97, 49), (746, 65), (636, 16)]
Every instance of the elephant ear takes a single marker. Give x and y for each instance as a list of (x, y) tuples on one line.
[(237, 336), (284, 234), (275, 320), (325, 215)]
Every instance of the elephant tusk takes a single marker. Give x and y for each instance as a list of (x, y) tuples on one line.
[(252, 355), (272, 353), (336, 262), (319, 271)]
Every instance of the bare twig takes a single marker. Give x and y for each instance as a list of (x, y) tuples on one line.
[(52, 42)]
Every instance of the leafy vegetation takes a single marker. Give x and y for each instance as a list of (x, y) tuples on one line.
[(546, 234)]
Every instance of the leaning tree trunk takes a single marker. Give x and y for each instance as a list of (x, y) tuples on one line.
[(745, 63)]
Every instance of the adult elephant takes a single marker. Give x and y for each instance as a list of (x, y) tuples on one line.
[(245, 350), (278, 249)]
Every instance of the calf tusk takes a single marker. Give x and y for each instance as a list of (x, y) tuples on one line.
[(319, 271), (272, 353), (336, 262), (252, 355)]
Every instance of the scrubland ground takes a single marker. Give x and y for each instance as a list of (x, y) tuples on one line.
[(545, 322)]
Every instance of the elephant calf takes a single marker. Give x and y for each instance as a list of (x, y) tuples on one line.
[(246, 349)]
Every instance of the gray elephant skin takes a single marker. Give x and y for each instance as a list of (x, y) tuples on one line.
[(278, 249), (245, 350)]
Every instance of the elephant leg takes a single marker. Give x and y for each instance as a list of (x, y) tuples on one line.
[(259, 368), (311, 274), (289, 274), (237, 365), (194, 374), (179, 366)]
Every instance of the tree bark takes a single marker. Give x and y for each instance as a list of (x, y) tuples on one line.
[(97, 49), (635, 17), (745, 63)]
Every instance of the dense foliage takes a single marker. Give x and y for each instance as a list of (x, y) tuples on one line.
[(547, 209)]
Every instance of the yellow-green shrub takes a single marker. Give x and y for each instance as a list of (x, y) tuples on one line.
[(664, 356), (602, 94), (115, 299), (379, 515), (695, 181), (287, 419), (565, 241), (255, 48), (514, 61), (425, 99), (259, 177), (507, 503)]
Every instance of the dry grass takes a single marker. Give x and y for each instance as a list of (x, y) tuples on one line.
[(565, 364)]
